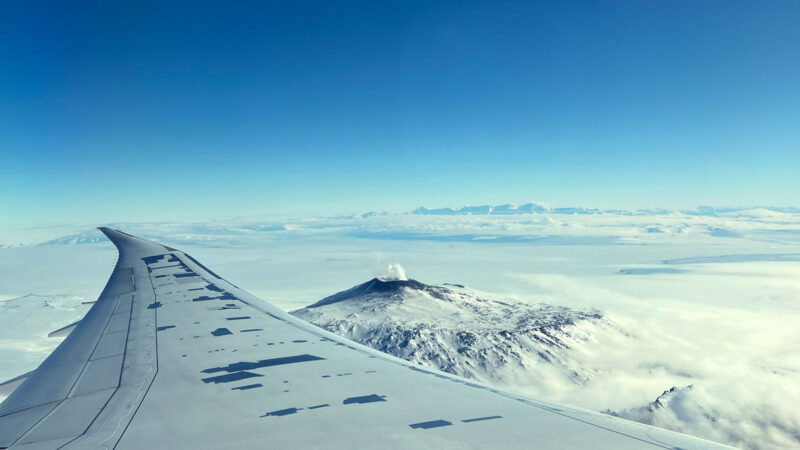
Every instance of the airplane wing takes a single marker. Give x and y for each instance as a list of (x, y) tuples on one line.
[(173, 356)]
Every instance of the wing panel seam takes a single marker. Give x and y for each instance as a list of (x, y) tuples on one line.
[(155, 326)]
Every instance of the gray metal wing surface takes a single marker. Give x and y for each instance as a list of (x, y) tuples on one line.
[(173, 356)]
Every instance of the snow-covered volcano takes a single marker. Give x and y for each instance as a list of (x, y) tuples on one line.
[(460, 330)]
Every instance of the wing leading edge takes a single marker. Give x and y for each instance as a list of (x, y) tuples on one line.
[(172, 355)]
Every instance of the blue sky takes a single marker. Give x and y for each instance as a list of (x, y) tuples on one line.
[(126, 111)]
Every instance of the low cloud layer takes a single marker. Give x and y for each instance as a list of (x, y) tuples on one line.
[(715, 310), (728, 330)]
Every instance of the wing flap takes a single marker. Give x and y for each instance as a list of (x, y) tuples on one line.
[(69, 419)]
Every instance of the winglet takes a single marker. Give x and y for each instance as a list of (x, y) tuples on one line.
[(126, 243)]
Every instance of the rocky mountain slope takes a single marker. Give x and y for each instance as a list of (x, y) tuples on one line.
[(461, 331)]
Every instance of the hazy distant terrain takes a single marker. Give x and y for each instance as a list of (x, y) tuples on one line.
[(707, 298)]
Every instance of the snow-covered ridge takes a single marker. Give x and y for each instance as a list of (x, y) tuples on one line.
[(83, 237), (658, 411)]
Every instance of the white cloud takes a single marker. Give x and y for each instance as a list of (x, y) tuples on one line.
[(728, 329), (394, 272)]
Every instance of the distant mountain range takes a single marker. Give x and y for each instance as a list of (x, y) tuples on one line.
[(534, 208)]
